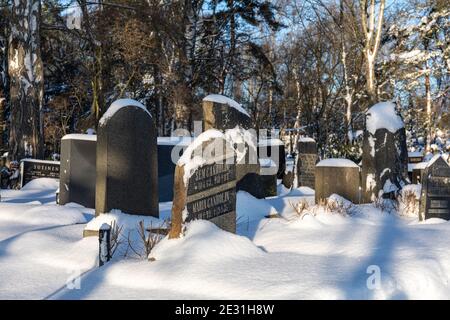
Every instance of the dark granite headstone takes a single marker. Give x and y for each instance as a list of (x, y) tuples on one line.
[(78, 161), (385, 155), (166, 165), (265, 150), (384, 163), (31, 169), (206, 188), (306, 162), (435, 198), (127, 177)]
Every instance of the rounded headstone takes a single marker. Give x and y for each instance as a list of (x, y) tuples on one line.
[(127, 165)]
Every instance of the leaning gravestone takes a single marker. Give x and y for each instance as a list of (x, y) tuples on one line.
[(435, 199), (31, 169), (127, 177), (77, 177), (205, 183), (306, 162), (385, 156), (337, 176)]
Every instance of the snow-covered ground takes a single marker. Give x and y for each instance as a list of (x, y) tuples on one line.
[(322, 255)]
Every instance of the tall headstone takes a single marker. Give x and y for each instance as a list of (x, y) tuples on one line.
[(205, 183), (78, 169), (127, 177), (339, 176), (228, 116), (306, 162), (222, 113), (385, 155), (435, 198)]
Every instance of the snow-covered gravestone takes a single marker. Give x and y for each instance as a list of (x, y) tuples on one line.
[(205, 183), (306, 162), (78, 167), (337, 176), (222, 113), (228, 116), (435, 198), (385, 155), (127, 165), (31, 169)]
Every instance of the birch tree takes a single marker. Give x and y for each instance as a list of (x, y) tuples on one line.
[(372, 25), (4, 19), (26, 79)]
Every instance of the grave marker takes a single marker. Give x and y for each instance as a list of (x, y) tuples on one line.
[(31, 169), (127, 166), (78, 161), (306, 162), (205, 183), (435, 199)]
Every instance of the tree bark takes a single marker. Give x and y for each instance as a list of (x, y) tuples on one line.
[(26, 80), (4, 88), (372, 38)]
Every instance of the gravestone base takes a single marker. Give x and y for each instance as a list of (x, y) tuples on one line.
[(226, 221)]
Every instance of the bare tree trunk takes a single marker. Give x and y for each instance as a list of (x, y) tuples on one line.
[(299, 107), (4, 88), (26, 80), (372, 38), (428, 108)]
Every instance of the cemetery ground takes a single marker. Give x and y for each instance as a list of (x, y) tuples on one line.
[(369, 254)]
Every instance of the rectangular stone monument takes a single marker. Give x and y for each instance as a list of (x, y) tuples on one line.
[(435, 198), (337, 176), (306, 162), (166, 165), (78, 161), (31, 169), (127, 164), (205, 184)]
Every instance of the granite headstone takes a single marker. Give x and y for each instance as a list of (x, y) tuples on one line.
[(77, 177), (435, 198), (205, 183), (127, 177)]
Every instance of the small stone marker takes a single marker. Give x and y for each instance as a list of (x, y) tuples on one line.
[(205, 183), (435, 199), (306, 162), (127, 177), (385, 155), (78, 161), (339, 176), (31, 169)]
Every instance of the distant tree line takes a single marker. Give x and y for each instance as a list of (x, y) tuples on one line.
[(314, 65)]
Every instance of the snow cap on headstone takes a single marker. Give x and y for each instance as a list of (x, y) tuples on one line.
[(119, 104), (225, 100), (383, 116)]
